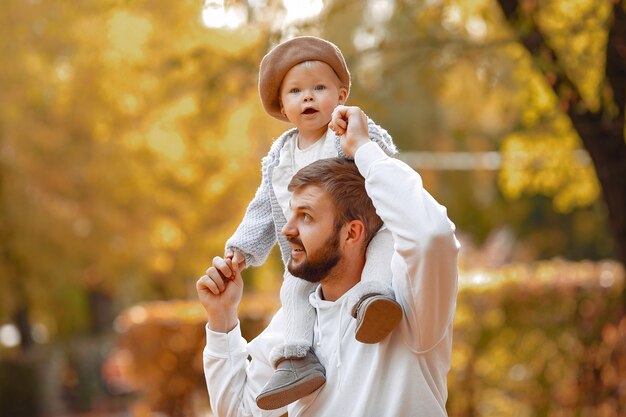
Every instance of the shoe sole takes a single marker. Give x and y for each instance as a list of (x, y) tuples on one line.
[(282, 397), (378, 317)]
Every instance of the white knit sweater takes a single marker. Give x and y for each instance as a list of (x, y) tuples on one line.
[(260, 228)]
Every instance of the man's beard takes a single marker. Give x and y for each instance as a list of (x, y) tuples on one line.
[(317, 266)]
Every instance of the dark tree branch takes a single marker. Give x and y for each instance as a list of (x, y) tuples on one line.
[(616, 58)]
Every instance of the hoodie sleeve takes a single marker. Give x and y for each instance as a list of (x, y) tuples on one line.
[(424, 263), (235, 372)]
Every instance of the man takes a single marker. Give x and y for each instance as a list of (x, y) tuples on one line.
[(336, 204)]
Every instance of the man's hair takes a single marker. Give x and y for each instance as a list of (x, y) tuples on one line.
[(341, 179)]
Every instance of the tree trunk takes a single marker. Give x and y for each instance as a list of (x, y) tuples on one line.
[(605, 140), (602, 133), (22, 321)]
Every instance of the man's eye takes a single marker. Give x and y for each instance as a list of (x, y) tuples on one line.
[(306, 217)]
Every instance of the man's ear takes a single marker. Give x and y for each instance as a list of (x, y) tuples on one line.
[(355, 232)]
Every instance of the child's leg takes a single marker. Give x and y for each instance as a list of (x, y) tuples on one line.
[(299, 318), (373, 303), (376, 276), (298, 371)]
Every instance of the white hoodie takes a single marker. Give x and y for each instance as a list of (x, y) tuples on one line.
[(405, 375)]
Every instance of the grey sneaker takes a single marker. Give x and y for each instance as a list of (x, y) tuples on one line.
[(293, 379), (377, 315)]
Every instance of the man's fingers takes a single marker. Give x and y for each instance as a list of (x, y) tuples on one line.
[(339, 131), (341, 117), (218, 278), (337, 122), (205, 282), (340, 112), (338, 118), (221, 265)]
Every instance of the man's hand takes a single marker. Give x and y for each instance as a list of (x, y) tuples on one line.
[(350, 123), (220, 291)]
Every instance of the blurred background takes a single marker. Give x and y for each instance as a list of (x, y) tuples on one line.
[(131, 135)]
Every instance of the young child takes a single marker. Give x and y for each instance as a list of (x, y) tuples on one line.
[(302, 81)]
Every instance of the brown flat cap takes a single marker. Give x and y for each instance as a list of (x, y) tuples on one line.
[(285, 56)]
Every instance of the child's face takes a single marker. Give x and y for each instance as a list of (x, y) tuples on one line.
[(309, 93)]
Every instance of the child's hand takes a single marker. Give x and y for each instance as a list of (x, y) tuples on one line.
[(351, 124), (237, 259)]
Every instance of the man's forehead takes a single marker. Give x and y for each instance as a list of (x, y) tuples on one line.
[(310, 197)]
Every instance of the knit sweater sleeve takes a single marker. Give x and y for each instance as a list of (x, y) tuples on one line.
[(256, 234)]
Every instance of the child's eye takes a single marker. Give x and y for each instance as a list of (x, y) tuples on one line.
[(294, 90), (320, 87)]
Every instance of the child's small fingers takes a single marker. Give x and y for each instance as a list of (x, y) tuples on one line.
[(239, 261)]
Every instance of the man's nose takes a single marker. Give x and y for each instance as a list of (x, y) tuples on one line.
[(288, 229)]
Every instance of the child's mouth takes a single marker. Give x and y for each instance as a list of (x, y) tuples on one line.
[(309, 111)]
